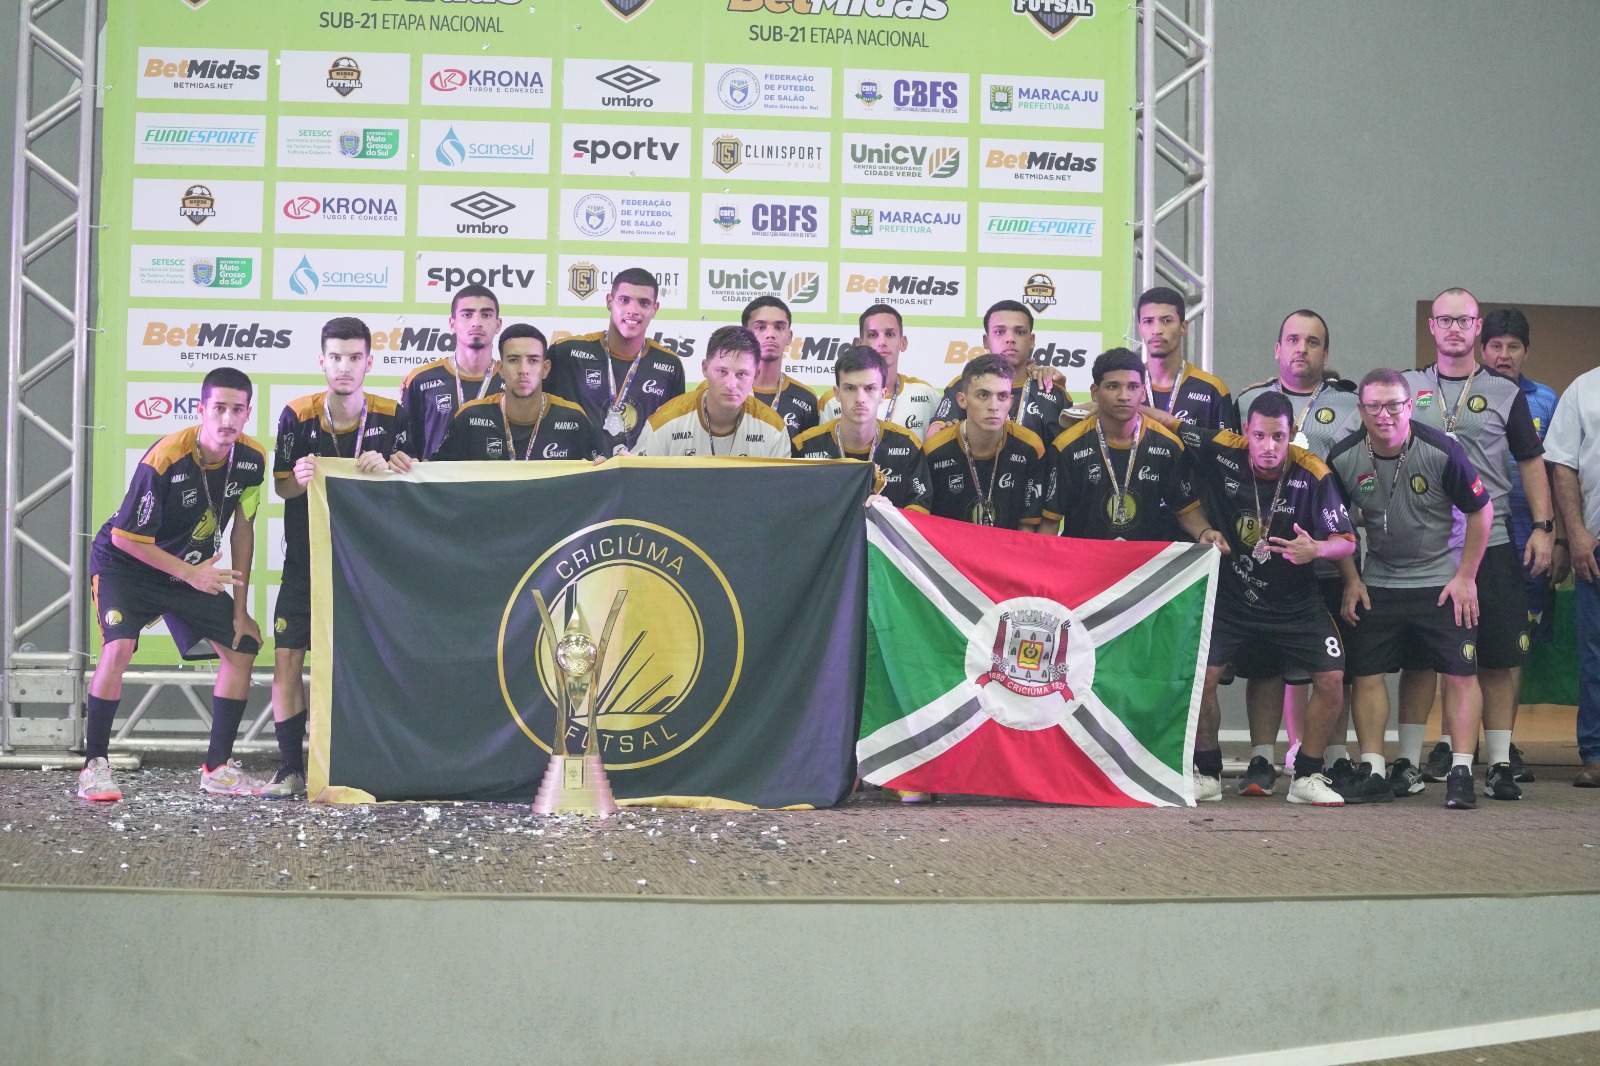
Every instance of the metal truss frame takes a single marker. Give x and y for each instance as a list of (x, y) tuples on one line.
[(1177, 159)]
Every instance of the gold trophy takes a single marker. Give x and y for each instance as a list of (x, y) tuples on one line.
[(576, 784)]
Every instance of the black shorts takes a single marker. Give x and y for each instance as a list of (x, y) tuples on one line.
[(127, 602), (1540, 599), (1254, 661), (291, 615), (1502, 614), (1307, 641), (1409, 628)]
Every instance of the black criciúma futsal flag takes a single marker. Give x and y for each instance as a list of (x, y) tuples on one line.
[(733, 676)]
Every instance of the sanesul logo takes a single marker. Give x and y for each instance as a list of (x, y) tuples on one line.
[(502, 147), (338, 274)]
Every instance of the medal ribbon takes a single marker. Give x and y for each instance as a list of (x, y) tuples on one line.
[(511, 442), (985, 499), (361, 426), (205, 483), (483, 386), (1133, 454), (619, 396), (1452, 418)]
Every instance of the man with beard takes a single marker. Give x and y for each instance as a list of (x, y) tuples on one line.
[(1038, 393), (768, 318), (907, 401), (1181, 397), (619, 376), (433, 392), (722, 418)]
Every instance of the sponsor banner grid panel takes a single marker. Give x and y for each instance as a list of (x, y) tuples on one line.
[(278, 165)]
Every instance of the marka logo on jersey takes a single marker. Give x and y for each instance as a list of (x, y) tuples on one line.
[(932, 10), (344, 76), (202, 70), (1054, 17), (903, 285), (197, 204), (215, 335)]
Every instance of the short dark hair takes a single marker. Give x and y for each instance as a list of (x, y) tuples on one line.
[(1271, 404), (1007, 305), (732, 339), (982, 367), (1162, 295), (637, 276), (764, 301), (1327, 334), (227, 377), (519, 330), (345, 329), (853, 357), (474, 290), (1382, 376), (878, 309), (1114, 359), (1506, 322)]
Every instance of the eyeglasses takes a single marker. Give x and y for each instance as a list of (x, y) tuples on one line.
[(1459, 321), (1394, 407)]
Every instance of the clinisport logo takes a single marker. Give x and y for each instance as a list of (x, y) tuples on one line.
[(663, 684)]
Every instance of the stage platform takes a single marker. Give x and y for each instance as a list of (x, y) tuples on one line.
[(1066, 934)]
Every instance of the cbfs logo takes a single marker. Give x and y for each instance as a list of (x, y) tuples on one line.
[(1053, 17)]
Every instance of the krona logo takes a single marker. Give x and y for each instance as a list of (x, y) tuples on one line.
[(153, 408), (301, 208), (448, 80)]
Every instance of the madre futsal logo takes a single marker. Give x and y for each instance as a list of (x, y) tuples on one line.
[(1032, 662), (674, 658), (1054, 17)]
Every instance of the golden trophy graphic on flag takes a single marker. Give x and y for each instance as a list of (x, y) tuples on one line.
[(576, 784)]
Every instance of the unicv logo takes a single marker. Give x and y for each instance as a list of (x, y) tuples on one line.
[(303, 281), (451, 152)]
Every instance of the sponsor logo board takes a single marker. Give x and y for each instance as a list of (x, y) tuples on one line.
[(730, 284), (184, 272), (939, 291), (171, 139), (1067, 166), (766, 155), (202, 74), (482, 81), (1038, 229), (322, 207), (770, 221), (208, 206), (1060, 295), (627, 85), (162, 407), (350, 276), (909, 225), (344, 77), (478, 147), (616, 215), (761, 90), (905, 95), (1055, 102), (625, 151), (339, 142), (482, 211), (518, 280), (584, 280), (902, 160)]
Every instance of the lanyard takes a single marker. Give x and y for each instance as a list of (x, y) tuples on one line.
[(618, 396), (1452, 418), (483, 386), (205, 483), (983, 513), (899, 387), (1305, 412), (1261, 552), (1393, 484), (511, 442), (711, 438), (1119, 509), (361, 427), (1177, 383)]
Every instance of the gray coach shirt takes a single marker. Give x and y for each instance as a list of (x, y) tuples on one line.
[(1416, 491), (1495, 427)]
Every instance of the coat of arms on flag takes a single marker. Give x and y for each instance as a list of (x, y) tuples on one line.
[(1052, 669)]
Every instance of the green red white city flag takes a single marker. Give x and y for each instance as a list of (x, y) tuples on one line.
[(1038, 668)]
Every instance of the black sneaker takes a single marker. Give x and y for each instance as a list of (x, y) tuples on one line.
[(1436, 767), (1342, 773), (1519, 770), (1458, 791), (1501, 782), (1259, 779), (1364, 786), (1405, 779)]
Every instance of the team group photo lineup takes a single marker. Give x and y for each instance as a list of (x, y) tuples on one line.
[(1415, 521)]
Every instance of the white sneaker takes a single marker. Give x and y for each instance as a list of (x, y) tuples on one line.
[(229, 779), (1315, 790), (96, 782), (1207, 789)]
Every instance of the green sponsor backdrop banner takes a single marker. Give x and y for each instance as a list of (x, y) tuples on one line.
[(267, 166)]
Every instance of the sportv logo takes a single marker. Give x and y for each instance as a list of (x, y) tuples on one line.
[(504, 276), (931, 10), (596, 150)]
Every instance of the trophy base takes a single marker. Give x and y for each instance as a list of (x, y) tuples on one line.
[(575, 784)]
